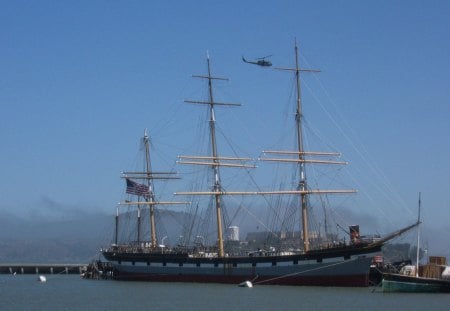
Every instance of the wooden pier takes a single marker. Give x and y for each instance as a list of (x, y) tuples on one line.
[(38, 268)]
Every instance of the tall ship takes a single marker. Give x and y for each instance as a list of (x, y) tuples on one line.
[(302, 261)]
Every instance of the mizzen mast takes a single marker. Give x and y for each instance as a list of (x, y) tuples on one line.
[(301, 155)]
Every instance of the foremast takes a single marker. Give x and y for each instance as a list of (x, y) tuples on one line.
[(151, 197), (146, 191)]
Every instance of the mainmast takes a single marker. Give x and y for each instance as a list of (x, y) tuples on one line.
[(214, 160), (217, 187), (302, 185)]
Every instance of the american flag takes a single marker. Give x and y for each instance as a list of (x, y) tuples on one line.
[(137, 189)]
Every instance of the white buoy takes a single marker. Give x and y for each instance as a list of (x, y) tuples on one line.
[(246, 284), (42, 279)]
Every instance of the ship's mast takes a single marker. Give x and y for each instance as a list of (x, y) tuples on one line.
[(116, 237), (214, 160), (212, 131), (217, 187), (302, 185), (151, 197), (147, 191), (418, 240)]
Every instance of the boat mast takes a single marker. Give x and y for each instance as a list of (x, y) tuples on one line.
[(117, 226), (302, 185), (302, 182), (138, 224), (418, 240), (151, 197), (214, 161), (146, 191), (214, 157), (217, 187)]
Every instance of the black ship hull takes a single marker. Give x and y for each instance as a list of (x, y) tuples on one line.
[(347, 266)]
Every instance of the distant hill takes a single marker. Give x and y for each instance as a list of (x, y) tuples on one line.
[(61, 240), (68, 241)]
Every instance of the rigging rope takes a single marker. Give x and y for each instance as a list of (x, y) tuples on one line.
[(300, 272)]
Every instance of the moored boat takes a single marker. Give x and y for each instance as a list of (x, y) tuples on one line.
[(338, 263), (434, 277)]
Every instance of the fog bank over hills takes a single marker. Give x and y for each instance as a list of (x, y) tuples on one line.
[(54, 232), (41, 240)]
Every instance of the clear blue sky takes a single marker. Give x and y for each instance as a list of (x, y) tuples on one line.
[(80, 80)]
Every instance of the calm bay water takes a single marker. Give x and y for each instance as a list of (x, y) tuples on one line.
[(69, 292)]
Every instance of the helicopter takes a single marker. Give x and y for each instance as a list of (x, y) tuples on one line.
[(262, 61)]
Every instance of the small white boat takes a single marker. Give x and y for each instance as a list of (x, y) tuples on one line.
[(42, 279)]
